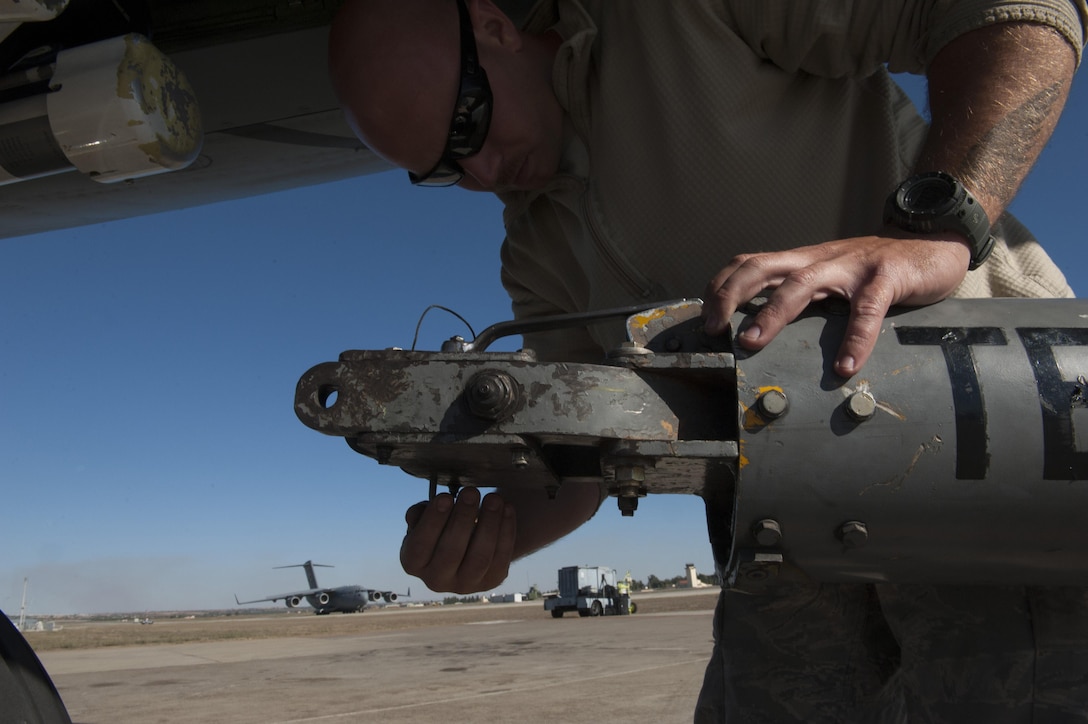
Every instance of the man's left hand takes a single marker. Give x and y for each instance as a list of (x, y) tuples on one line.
[(871, 272)]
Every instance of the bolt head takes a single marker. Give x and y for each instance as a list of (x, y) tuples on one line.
[(773, 404), (767, 532), (854, 534), (861, 405), (519, 458)]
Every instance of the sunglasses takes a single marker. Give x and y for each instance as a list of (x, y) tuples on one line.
[(471, 114)]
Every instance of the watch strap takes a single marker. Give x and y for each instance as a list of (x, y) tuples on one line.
[(936, 201)]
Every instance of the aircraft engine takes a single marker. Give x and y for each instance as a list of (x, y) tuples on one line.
[(293, 601), (323, 598), (958, 455), (389, 596), (116, 110), (375, 595)]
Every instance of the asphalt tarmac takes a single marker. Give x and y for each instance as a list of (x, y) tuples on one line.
[(512, 664)]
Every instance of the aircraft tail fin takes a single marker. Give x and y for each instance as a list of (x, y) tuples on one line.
[(309, 566)]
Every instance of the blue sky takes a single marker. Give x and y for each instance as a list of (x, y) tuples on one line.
[(150, 456)]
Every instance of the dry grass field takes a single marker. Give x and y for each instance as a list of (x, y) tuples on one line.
[(78, 634)]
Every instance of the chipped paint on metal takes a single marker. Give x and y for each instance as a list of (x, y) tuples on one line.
[(162, 91), (895, 484), (891, 411), (751, 420), (641, 320)]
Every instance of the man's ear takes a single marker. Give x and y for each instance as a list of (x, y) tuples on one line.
[(492, 26)]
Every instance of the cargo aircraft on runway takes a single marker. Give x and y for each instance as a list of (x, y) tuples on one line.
[(343, 599)]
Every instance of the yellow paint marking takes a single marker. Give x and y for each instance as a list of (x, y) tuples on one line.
[(641, 320)]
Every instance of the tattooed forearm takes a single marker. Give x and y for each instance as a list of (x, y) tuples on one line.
[(996, 94), (1002, 158)]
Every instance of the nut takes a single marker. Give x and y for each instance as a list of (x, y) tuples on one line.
[(492, 395)]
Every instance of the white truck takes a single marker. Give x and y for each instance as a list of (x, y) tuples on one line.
[(591, 591)]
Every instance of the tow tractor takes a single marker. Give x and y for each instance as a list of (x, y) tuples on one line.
[(591, 591)]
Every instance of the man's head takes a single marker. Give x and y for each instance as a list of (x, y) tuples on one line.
[(405, 74)]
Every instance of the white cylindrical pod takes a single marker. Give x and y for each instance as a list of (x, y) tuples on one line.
[(120, 109), (116, 110)]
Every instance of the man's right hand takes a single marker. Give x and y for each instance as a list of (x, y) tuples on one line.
[(466, 545), (460, 545)]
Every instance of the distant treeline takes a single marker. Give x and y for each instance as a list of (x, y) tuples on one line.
[(652, 583)]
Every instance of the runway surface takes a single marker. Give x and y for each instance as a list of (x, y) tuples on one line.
[(511, 662)]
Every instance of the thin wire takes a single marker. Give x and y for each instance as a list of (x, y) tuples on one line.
[(415, 338)]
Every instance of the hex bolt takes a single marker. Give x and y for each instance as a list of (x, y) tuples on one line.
[(861, 405), (628, 488), (628, 504), (492, 395), (519, 458), (454, 344), (383, 454), (773, 404), (767, 532), (853, 534), (673, 344), (630, 474)]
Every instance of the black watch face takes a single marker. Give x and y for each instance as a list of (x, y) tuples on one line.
[(931, 195)]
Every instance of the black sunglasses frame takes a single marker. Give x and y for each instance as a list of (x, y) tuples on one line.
[(471, 113)]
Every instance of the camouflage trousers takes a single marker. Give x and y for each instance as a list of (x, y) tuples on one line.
[(899, 653)]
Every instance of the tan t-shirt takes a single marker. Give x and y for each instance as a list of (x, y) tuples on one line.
[(703, 129)]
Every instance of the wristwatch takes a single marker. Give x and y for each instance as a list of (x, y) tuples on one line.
[(936, 201)]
